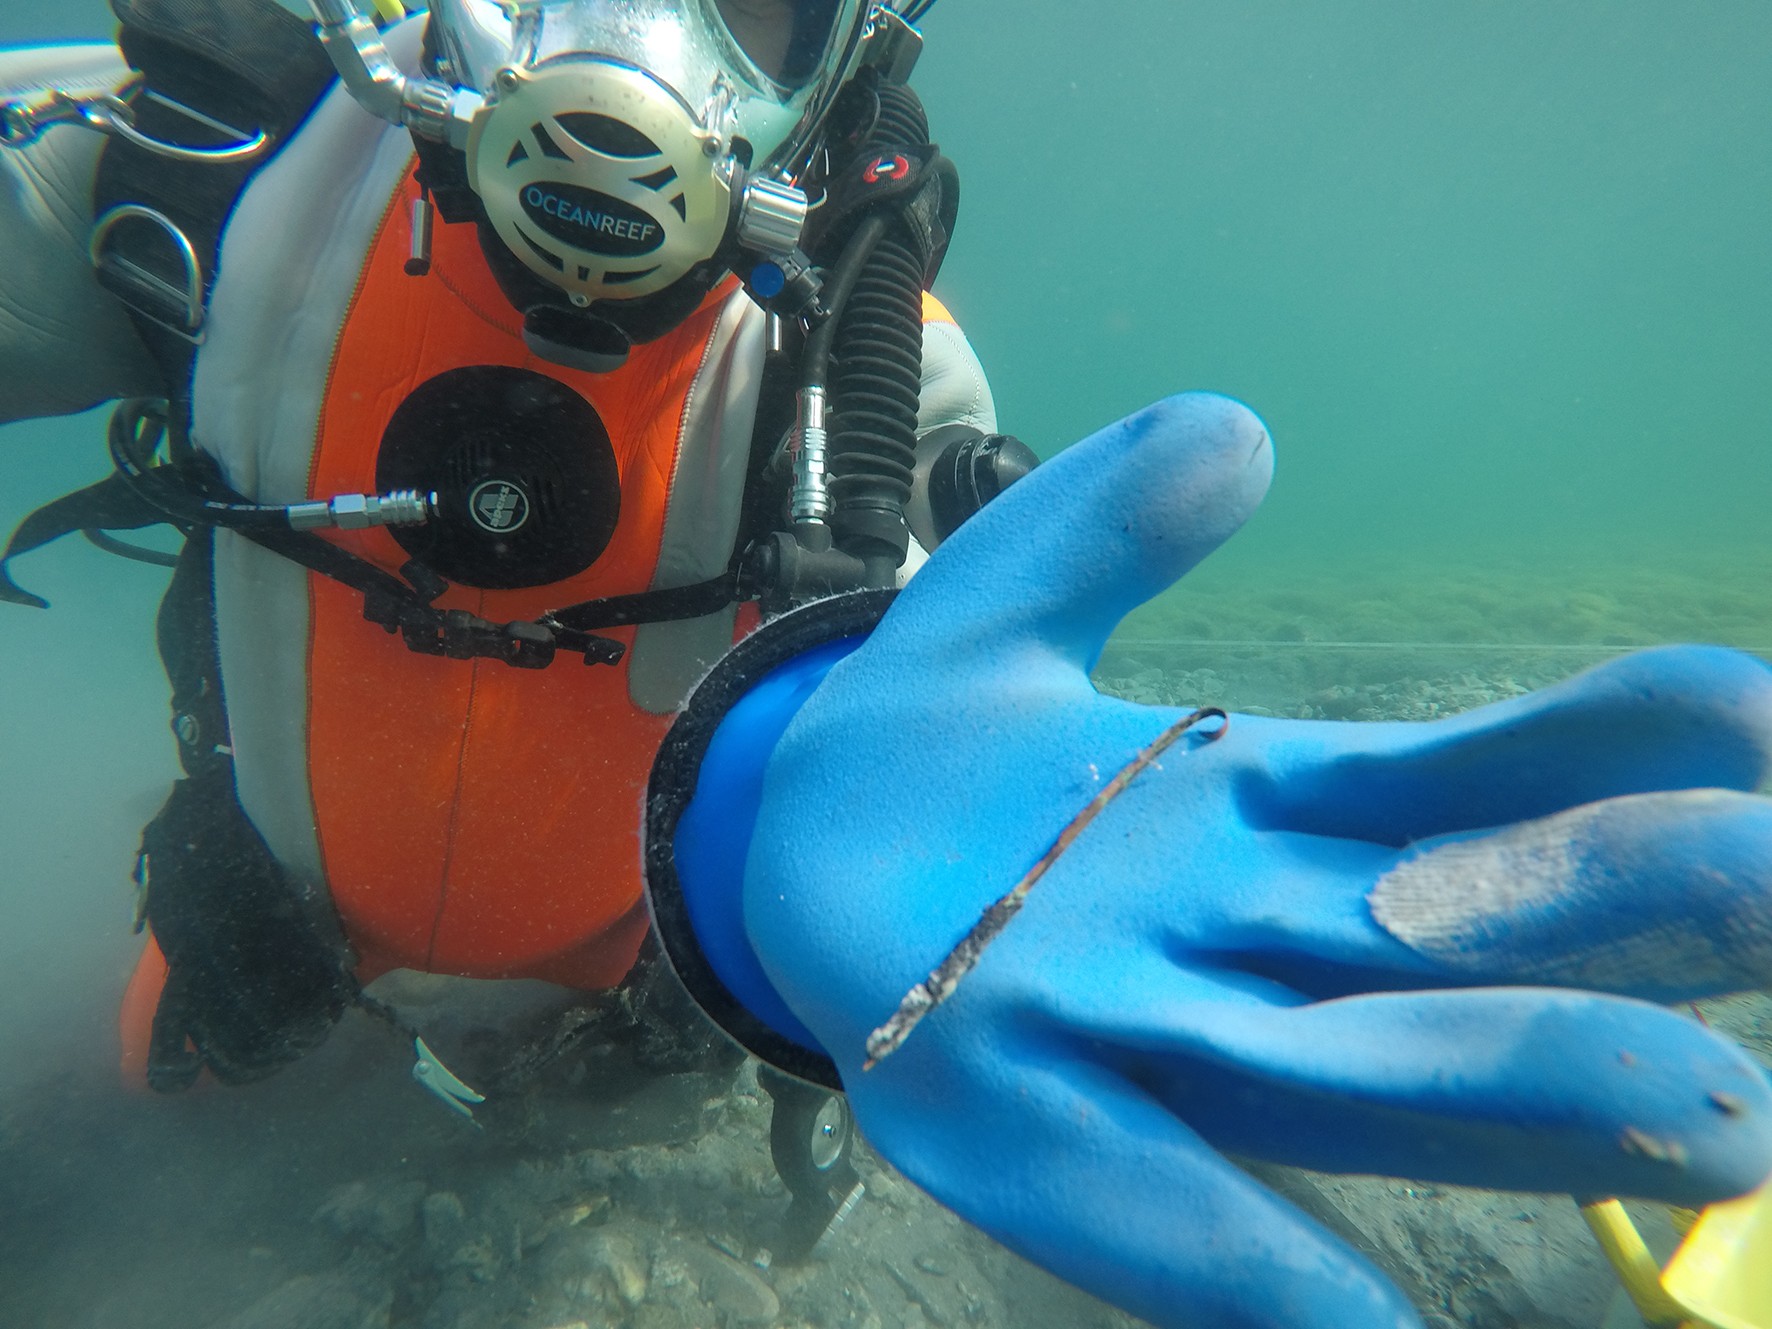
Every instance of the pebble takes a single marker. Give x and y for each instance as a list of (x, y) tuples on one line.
[(445, 1221), (735, 1290), (359, 1211), (476, 1259), (316, 1301), (597, 1207), (618, 1257)]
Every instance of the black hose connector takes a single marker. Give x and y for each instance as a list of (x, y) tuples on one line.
[(959, 470)]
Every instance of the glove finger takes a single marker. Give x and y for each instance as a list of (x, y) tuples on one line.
[(1681, 717), (1662, 896), (1667, 897), (1511, 1088), (1063, 555), (1083, 1173)]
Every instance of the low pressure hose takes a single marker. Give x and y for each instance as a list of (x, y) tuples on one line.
[(135, 430)]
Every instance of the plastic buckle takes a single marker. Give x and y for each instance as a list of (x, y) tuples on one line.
[(439, 1080), (456, 634)]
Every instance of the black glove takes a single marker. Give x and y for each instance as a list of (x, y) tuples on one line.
[(253, 982)]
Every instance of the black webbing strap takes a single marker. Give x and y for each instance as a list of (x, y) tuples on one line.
[(696, 600), (396, 606), (113, 504), (184, 630)]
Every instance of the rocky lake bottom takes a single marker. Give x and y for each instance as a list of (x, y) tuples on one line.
[(615, 1186)]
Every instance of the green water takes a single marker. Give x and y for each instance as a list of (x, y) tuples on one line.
[(1496, 275)]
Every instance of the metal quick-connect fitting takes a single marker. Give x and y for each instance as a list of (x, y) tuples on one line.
[(357, 512), (812, 492)]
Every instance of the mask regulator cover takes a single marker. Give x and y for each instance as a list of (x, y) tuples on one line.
[(598, 178)]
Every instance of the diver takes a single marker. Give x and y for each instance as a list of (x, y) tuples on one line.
[(554, 408), (500, 330)]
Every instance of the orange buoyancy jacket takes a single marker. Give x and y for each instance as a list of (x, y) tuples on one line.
[(473, 818), (477, 819)]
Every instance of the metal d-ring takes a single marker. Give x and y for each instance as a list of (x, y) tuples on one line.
[(22, 123), (111, 115), (136, 275)]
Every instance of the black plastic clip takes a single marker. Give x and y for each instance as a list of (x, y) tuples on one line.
[(458, 635)]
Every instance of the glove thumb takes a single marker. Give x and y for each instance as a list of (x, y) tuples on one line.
[(1066, 553)]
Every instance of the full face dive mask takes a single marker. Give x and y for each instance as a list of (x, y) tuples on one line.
[(618, 147)]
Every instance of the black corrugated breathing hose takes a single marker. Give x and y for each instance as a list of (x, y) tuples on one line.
[(877, 370)]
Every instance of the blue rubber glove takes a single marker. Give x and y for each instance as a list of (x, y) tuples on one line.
[(1351, 947)]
